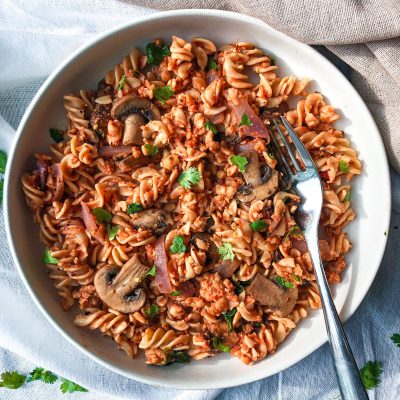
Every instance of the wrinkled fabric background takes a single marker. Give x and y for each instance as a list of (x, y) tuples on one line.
[(35, 36)]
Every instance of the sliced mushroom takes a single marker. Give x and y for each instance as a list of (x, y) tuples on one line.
[(260, 192), (252, 174), (132, 162), (277, 299), (155, 220), (202, 241), (226, 268), (119, 287), (134, 111)]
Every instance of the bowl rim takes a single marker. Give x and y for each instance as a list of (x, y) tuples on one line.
[(247, 378)]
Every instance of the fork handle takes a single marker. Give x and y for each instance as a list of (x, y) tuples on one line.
[(350, 384)]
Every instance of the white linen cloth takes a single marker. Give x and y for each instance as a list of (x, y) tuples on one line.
[(34, 37)]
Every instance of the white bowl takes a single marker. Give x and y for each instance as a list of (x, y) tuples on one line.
[(83, 69)]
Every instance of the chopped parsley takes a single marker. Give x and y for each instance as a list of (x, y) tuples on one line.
[(3, 161), (258, 225), (48, 258), (370, 374), (210, 126), (163, 93), (121, 82), (56, 135), (152, 312), (175, 293), (344, 167), (218, 345), (68, 386), (112, 231), (270, 153), (245, 121), (151, 149), (295, 231), (348, 196), (226, 252), (189, 177), (282, 282), (41, 374), (229, 318), (239, 285), (396, 339), (211, 64), (12, 380), (134, 208), (151, 272), (178, 246), (102, 215), (240, 162), (296, 277), (179, 356), (155, 54)]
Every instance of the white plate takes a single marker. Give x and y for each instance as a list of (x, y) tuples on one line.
[(83, 69)]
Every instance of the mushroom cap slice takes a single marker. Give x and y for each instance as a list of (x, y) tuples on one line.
[(261, 192), (277, 299), (119, 287), (155, 220), (202, 241), (130, 104), (226, 268), (132, 132), (252, 174)]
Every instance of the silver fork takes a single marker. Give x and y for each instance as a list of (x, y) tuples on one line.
[(307, 184)]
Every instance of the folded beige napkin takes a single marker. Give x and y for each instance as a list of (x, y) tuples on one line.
[(364, 33)]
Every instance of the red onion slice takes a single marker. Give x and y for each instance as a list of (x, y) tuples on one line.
[(42, 169), (59, 181), (186, 289), (212, 75), (161, 280), (90, 223), (114, 151)]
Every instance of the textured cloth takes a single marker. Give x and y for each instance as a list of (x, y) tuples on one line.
[(34, 37)]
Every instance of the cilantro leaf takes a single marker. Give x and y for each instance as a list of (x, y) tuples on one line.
[(121, 82), (163, 93), (175, 293), (179, 356), (239, 285), (178, 246), (12, 380), (211, 64), (151, 149), (217, 344), (348, 196), (282, 282), (3, 161), (102, 215), (226, 252), (245, 121), (155, 54), (370, 374), (151, 272), (134, 208), (210, 126), (48, 258), (295, 231), (152, 311), (240, 162), (1, 190), (344, 167), (68, 386), (56, 135), (270, 152), (189, 177), (258, 225), (396, 339), (229, 318), (112, 231), (41, 374)]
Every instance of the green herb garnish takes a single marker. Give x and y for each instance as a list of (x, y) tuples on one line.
[(178, 246), (121, 82), (3, 161), (102, 215), (175, 293), (155, 54), (151, 272), (240, 162), (370, 374), (239, 285), (295, 231), (396, 339), (217, 344), (226, 252), (258, 225), (282, 282), (210, 126), (245, 121), (48, 258), (163, 93), (229, 318), (112, 231), (211, 64), (99, 133), (41, 374), (152, 312), (151, 149), (12, 380), (348, 196), (134, 208), (56, 135), (68, 386), (179, 356), (189, 177), (344, 167)]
